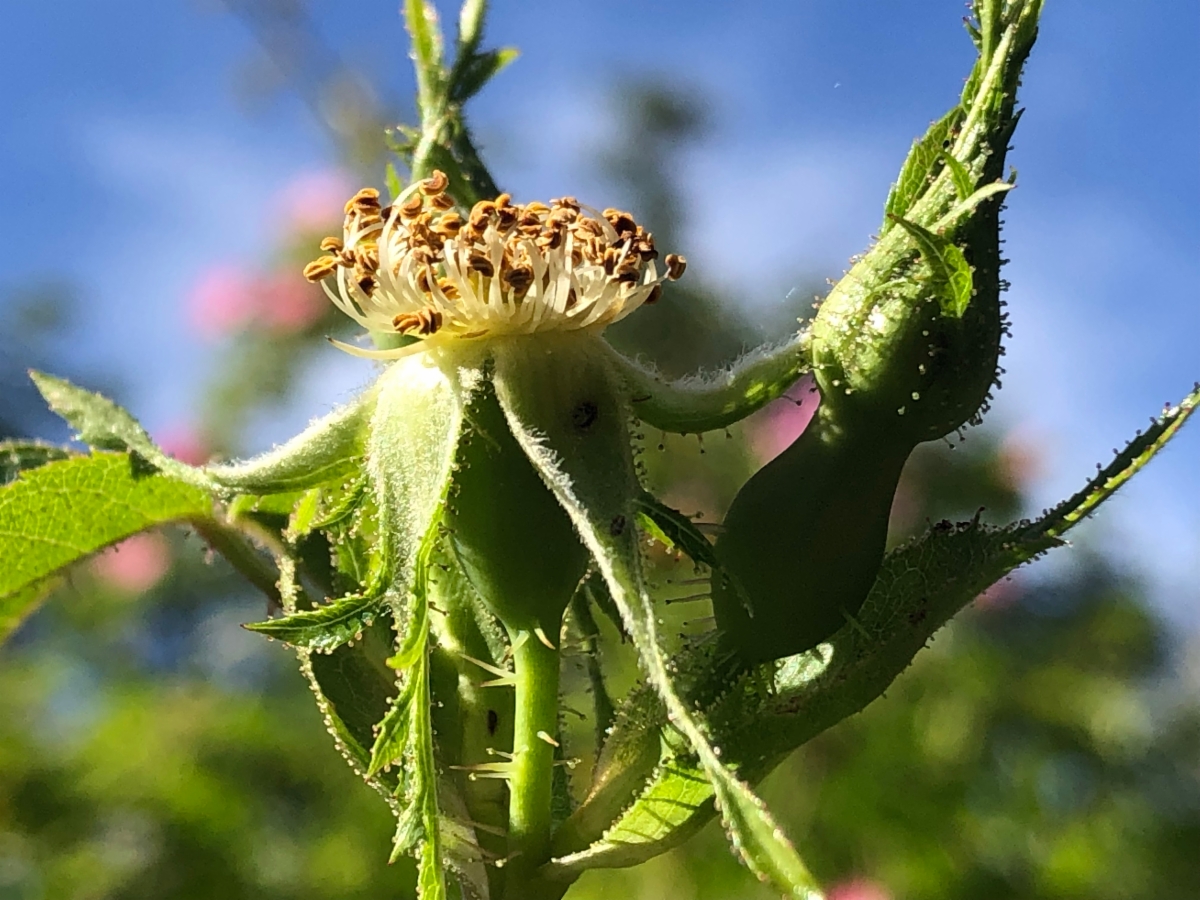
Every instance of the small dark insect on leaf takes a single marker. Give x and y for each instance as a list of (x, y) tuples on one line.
[(493, 721), (617, 526)]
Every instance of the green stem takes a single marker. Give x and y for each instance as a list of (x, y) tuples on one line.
[(530, 789)]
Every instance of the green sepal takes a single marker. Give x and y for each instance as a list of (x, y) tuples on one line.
[(949, 270), (920, 586), (411, 444), (326, 627), (590, 469), (478, 70), (713, 400), (331, 448)]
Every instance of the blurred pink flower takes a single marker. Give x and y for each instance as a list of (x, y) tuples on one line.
[(288, 303), (222, 301), (185, 444), (314, 200), (773, 429), (136, 564), (1000, 595), (858, 889), (1022, 460)]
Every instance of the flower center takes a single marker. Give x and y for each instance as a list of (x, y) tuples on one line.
[(419, 268)]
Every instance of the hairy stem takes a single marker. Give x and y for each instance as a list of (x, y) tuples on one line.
[(536, 722)]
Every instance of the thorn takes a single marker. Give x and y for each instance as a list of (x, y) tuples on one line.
[(549, 740), (541, 636)]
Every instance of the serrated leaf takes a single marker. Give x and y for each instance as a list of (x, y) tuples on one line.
[(673, 529), (950, 273), (393, 740), (58, 513), (590, 469), (478, 70), (919, 167), (100, 422), (325, 627), (1127, 463), (964, 184)]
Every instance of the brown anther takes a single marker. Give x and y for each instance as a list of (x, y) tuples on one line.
[(654, 296), (411, 208), (441, 201), (368, 258), (676, 265), (504, 201), (436, 183), (519, 278), (450, 224), (481, 264), (320, 268), (481, 212), (366, 283), (567, 202), (622, 222), (423, 321), (537, 208), (366, 199), (347, 258), (592, 227), (448, 288), (550, 240), (331, 244)]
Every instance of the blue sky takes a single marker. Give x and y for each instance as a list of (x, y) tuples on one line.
[(128, 167)]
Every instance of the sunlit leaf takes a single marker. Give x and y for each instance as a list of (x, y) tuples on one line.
[(53, 515)]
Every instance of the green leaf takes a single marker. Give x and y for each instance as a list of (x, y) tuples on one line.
[(713, 400), (673, 529), (1127, 463), (919, 167), (590, 469), (99, 422), (325, 627), (470, 26), (950, 272), (478, 71), (56, 514), (421, 20), (964, 184), (17, 456)]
